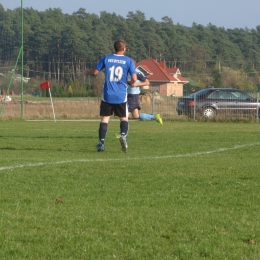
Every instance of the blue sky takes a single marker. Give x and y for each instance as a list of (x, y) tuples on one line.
[(229, 14)]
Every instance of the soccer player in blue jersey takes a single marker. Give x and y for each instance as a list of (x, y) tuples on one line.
[(133, 91), (114, 98)]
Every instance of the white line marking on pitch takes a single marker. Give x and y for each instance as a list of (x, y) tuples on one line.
[(119, 159)]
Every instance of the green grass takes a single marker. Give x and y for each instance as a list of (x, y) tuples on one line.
[(187, 190)]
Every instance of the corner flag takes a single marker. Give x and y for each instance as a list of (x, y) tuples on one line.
[(45, 85)]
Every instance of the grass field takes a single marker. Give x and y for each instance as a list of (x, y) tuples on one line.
[(187, 190)]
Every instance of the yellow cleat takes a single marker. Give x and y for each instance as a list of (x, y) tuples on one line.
[(123, 142), (159, 119)]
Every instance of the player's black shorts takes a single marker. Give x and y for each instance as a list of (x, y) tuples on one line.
[(133, 102), (107, 109)]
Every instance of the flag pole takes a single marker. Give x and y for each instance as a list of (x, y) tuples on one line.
[(44, 85), (52, 105), (22, 49)]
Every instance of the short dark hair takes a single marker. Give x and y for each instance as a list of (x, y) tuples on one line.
[(119, 45)]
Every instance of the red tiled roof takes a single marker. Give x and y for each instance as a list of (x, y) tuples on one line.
[(159, 71), (173, 70), (182, 79), (146, 69)]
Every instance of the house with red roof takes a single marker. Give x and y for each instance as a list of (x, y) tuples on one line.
[(166, 81)]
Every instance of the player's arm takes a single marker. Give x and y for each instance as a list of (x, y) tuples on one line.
[(99, 66), (132, 72), (141, 84), (143, 81), (92, 72), (133, 79)]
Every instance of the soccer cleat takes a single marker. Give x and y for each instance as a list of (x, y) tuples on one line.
[(100, 147), (123, 142), (159, 119)]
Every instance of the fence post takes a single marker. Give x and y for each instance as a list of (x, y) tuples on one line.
[(194, 117), (257, 107), (153, 103)]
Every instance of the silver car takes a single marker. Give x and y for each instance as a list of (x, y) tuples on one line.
[(210, 102)]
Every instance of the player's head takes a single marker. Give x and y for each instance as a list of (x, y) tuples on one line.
[(119, 46)]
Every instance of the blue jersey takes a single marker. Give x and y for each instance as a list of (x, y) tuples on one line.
[(117, 67), (140, 78)]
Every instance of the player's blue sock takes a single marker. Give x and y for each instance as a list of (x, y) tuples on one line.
[(147, 117)]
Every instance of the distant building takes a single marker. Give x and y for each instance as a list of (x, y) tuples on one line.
[(18, 78), (166, 81)]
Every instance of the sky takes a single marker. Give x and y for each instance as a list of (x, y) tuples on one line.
[(229, 14)]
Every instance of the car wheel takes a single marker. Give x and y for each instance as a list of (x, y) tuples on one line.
[(209, 112)]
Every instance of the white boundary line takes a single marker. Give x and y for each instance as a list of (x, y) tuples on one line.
[(129, 158)]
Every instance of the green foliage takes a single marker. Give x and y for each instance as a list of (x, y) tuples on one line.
[(98, 84), (60, 47), (216, 75), (70, 91), (194, 196), (236, 78)]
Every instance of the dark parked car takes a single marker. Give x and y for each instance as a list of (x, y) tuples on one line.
[(210, 102)]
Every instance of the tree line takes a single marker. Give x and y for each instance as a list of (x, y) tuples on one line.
[(60, 47)]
